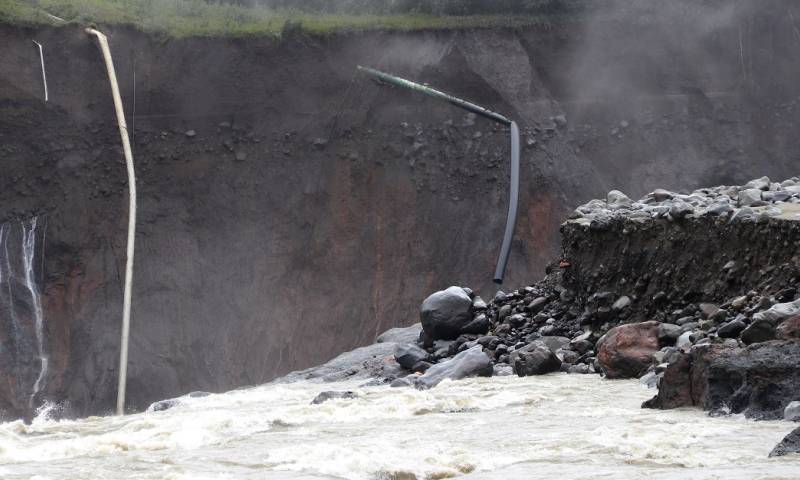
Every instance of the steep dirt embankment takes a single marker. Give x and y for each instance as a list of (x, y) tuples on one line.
[(649, 261), (290, 209)]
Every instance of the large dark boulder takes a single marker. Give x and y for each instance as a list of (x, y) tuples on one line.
[(534, 359), (445, 313), (684, 383), (408, 355), (469, 363), (758, 381), (759, 331), (789, 444), (627, 351)]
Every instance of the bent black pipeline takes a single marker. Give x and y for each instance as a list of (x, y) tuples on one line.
[(513, 200)]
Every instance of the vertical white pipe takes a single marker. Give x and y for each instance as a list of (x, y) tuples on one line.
[(41, 60), (126, 146)]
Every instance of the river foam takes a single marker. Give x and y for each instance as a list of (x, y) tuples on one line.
[(555, 426)]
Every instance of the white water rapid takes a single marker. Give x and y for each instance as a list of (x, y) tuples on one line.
[(555, 426)]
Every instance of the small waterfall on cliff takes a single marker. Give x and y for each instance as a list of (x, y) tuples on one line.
[(28, 253), (21, 302)]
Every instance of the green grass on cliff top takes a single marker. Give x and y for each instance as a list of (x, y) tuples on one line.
[(181, 18)]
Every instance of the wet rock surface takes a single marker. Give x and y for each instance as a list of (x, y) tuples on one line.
[(790, 444), (446, 314), (627, 351), (469, 363), (332, 395)]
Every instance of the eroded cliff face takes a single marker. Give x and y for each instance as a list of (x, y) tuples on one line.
[(290, 209)]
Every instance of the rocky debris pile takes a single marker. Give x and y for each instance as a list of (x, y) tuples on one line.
[(553, 326), (170, 403), (717, 327), (541, 329), (758, 200)]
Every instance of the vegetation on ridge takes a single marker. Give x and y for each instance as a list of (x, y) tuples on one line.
[(181, 18)]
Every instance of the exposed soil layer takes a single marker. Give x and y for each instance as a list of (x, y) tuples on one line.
[(290, 209), (665, 263)]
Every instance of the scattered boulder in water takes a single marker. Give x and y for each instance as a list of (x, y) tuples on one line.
[(163, 405), (445, 313), (373, 361), (789, 444), (331, 395), (469, 363), (170, 403), (534, 359), (759, 381), (683, 383), (408, 355), (627, 351), (408, 381)]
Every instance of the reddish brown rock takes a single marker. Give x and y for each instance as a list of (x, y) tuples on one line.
[(627, 350), (789, 329)]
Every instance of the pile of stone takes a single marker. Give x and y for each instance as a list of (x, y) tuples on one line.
[(545, 327), (758, 200), (740, 355)]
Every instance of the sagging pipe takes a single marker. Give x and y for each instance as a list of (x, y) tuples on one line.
[(513, 201), (44, 75), (126, 147)]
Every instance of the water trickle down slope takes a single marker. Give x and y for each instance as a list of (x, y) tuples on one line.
[(23, 349)]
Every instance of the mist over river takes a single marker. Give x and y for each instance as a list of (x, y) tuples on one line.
[(553, 426)]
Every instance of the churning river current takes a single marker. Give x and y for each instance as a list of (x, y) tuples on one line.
[(554, 426)]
